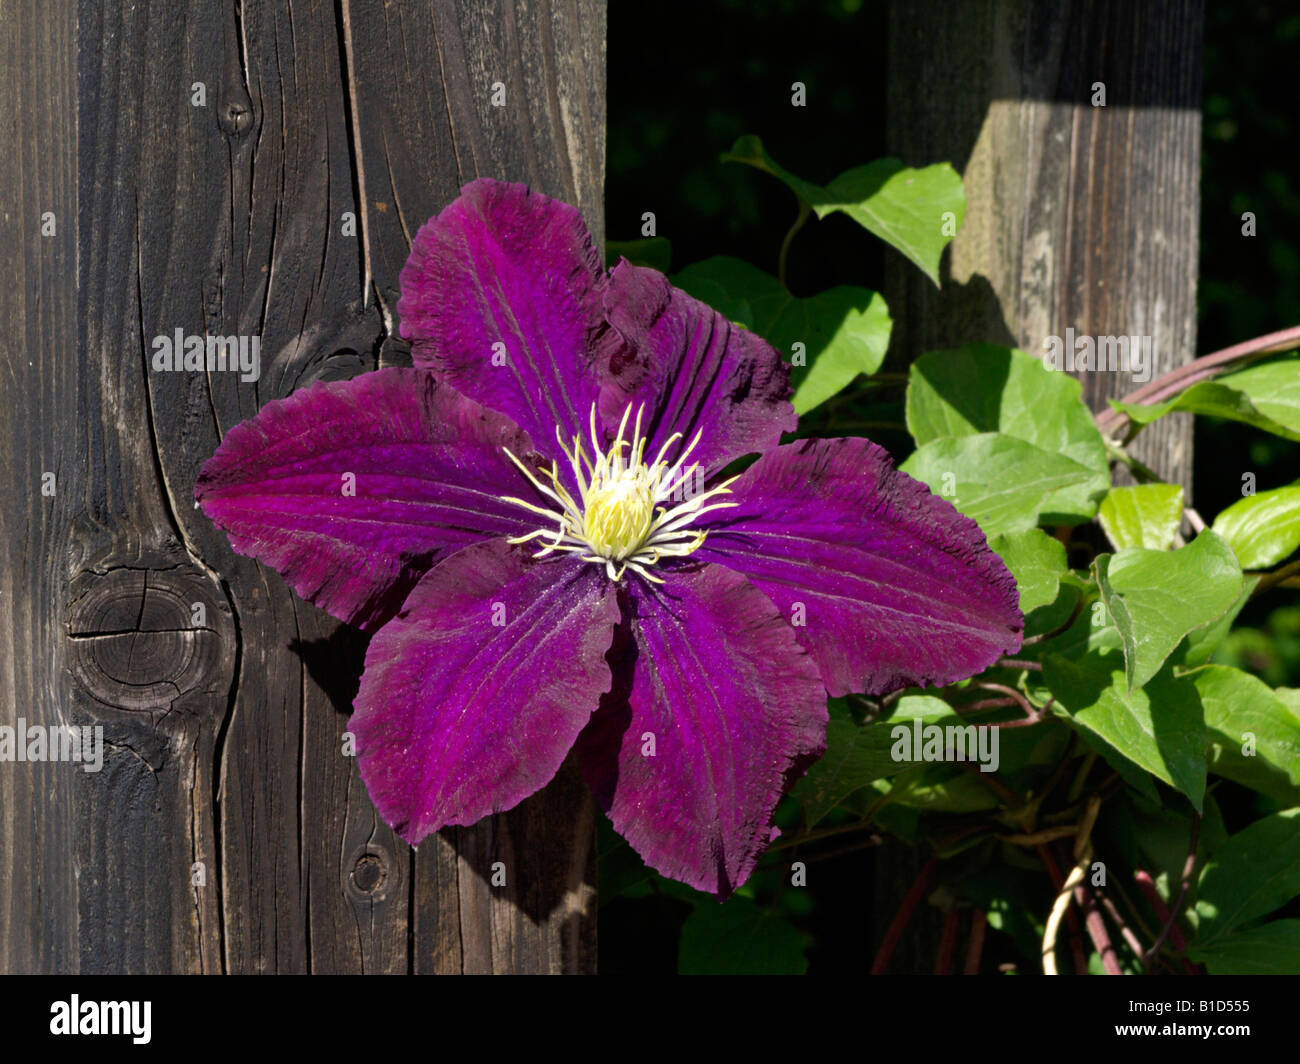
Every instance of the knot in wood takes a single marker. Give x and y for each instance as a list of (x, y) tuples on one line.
[(145, 639), (370, 873), (235, 117)]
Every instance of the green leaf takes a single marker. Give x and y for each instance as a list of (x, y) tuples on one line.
[(844, 330), (1266, 396), (935, 788), (1000, 481), (1157, 597), (1262, 529), (906, 208), (858, 754), (855, 755), (1052, 618), (1027, 752), (915, 211), (1202, 642), (1242, 709), (654, 251), (1256, 871), (739, 938), (1273, 387), (1273, 949), (1036, 560), (1158, 727), (1143, 516), (986, 388)]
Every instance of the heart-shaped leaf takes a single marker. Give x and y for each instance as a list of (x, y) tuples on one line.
[(1156, 597), (987, 388), (915, 211)]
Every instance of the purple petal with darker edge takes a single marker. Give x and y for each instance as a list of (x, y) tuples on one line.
[(350, 488), (711, 674), (474, 694), (892, 585), (502, 265), (693, 370)]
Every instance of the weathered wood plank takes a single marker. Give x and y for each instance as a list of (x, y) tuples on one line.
[(229, 830), (1077, 216), (38, 884)]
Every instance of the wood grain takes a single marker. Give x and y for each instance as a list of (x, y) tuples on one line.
[(1078, 216), (228, 830)]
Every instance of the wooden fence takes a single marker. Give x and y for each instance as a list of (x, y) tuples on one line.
[(249, 168)]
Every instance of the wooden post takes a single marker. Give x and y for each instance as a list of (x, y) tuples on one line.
[(1079, 216), (253, 169)]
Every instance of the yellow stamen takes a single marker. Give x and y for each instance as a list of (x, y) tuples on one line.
[(628, 515)]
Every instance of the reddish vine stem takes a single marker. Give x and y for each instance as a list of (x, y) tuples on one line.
[(1037, 718), (1189, 866), (822, 833), (1019, 663), (865, 844), (975, 947), (1042, 637), (1277, 577), (1097, 930), (1058, 773), (1031, 714), (1141, 927), (985, 703), (1148, 887), (947, 943), (894, 933), (1203, 368), (1125, 931)]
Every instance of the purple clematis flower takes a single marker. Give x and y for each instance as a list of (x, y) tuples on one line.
[(533, 524)]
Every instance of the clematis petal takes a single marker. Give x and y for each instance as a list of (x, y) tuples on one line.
[(503, 265), (473, 695), (350, 488), (887, 585), (711, 675), (693, 370)]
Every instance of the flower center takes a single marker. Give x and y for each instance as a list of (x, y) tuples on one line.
[(629, 514), (619, 515)]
